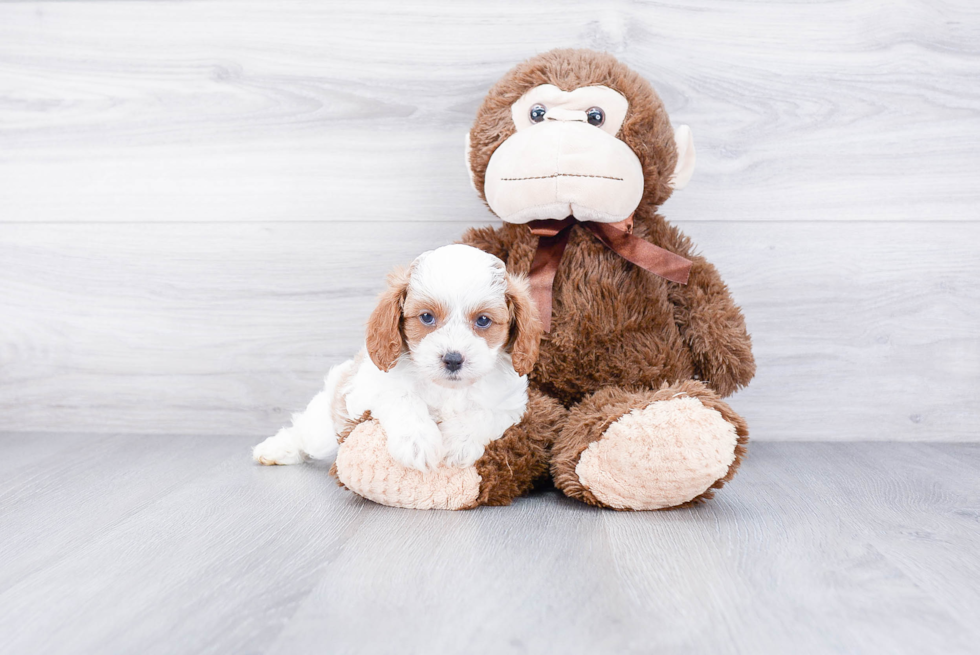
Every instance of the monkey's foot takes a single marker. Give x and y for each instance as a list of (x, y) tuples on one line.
[(649, 450), (509, 467), (364, 466)]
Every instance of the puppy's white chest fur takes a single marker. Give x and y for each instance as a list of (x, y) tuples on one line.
[(498, 391)]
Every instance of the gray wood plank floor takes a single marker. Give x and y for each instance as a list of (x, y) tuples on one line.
[(178, 544)]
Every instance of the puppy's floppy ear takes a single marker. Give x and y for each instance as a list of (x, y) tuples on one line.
[(525, 328), (384, 335)]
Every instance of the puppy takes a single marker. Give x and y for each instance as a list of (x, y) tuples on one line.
[(448, 347)]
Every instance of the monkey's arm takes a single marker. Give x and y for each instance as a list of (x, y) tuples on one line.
[(713, 327)]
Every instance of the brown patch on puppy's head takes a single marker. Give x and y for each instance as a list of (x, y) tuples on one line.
[(415, 306), (498, 332)]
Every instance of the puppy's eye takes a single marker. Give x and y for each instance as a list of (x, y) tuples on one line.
[(537, 113), (596, 116), (483, 322), (427, 318)]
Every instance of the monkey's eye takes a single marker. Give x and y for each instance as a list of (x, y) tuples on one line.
[(537, 113), (427, 318), (483, 322), (596, 116)]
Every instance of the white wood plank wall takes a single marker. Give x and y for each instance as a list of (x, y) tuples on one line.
[(198, 200)]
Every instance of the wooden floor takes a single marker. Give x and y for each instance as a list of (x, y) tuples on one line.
[(144, 545)]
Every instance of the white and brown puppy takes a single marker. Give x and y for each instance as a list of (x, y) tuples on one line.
[(449, 348)]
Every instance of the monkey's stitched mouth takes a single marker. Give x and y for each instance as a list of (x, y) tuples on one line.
[(547, 177)]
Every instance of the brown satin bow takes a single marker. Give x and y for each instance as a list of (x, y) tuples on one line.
[(553, 237)]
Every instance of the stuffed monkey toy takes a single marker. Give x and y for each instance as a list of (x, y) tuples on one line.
[(574, 152)]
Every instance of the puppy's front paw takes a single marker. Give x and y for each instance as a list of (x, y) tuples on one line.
[(280, 449), (463, 454), (415, 444)]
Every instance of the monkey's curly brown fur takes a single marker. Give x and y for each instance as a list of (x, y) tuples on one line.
[(619, 333), (512, 464), (615, 323)]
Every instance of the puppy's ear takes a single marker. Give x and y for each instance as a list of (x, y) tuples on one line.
[(384, 335), (525, 327)]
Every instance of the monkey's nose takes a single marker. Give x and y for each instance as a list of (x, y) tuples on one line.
[(559, 114), (453, 361)]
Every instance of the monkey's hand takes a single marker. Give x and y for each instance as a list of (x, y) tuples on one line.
[(714, 329)]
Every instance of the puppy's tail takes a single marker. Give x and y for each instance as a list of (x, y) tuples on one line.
[(337, 376), (326, 415)]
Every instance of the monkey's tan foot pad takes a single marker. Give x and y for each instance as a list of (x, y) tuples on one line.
[(364, 466), (663, 455)]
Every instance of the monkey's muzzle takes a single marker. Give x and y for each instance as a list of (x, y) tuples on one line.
[(563, 168)]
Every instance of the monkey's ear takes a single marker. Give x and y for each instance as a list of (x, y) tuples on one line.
[(685, 157), (469, 168)]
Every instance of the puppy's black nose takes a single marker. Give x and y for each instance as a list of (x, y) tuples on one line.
[(453, 361)]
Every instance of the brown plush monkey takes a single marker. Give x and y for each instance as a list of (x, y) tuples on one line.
[(574, 151)]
